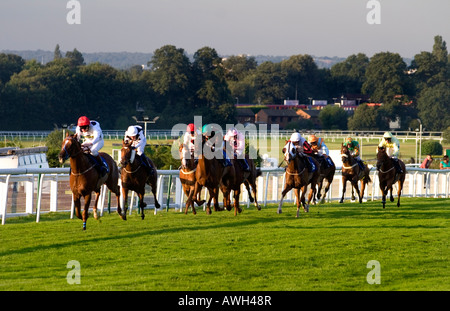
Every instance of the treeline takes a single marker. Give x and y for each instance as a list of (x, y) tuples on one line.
[(175, 88)]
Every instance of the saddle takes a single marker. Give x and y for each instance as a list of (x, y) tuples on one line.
[(98, 166)]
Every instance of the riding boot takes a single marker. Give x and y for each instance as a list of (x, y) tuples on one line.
[(244, 165), (148, 166), (307, 163), (397, 166), (101, 166), (361, 164)]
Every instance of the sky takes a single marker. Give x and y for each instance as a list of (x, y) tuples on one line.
[(255, 27)]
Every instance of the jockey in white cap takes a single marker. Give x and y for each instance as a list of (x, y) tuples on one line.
[(136, 136)]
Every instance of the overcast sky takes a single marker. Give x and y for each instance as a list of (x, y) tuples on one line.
[(266, 27)]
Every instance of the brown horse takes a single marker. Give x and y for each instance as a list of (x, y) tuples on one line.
[(388, 175), (84, 178), (248, 178), (298, 177), (187, 177), (326, 173), (353, 173), (134, 177)]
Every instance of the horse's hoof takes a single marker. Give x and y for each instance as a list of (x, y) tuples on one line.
[(157, 205), (341, 201), (279, 211)]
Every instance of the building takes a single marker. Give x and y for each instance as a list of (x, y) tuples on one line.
[(23, 158), (276, 116), (312, 115), (245, 115)]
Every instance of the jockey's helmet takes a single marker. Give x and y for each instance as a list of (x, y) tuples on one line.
[(387, 135), (295, 137), (207, 128), (190, 127), (132, 131), (313, 139), (83, 121), (232, 132), (349, 139)]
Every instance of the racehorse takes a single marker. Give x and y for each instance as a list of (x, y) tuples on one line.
[(326, 173), (388, 175), (246, 177), (187, 178), (84, 178), (298, 177), (353, 173), (134, 177)]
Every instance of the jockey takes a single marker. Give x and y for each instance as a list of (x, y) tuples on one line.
[(353, 147), (318, 147), (189, 140), (392, 146), (302, 147), (136, 136), (92, 136), (237, 141), (213, 139)]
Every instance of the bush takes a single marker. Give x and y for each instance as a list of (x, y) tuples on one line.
[(431, 147), (54, 142), (446, 135)]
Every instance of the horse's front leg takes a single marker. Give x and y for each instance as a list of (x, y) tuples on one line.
[(97, 197), (383, 194), (85, 216), (287, 188), (344, 186), (123, 214), (141, 204), (237, 208), (77, 205), (391, 197)]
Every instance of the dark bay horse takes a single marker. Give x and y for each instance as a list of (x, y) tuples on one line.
[(298, 177), (248, 178), (388, 175), (326, 174), (134, 177), (353, 173), (84, 177)]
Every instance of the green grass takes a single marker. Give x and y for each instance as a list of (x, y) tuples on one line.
[(325, 249)]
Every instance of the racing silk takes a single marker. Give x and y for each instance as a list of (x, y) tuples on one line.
[(140, 141), (392, 148), (189, 142), (353, 147), (93, 138), (320, 148), (238, 144), (302, 147)]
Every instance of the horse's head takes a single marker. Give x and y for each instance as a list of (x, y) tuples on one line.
[(71, 147), (127, 153), (187, 158), (381, 156), (289, 152), (345, 153)]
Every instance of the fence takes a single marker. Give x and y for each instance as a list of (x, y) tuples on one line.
[(35, 191)]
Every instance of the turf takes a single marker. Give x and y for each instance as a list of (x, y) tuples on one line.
[(325, 249)]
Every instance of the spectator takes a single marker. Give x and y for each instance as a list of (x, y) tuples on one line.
[(426, 164), (444, 163)]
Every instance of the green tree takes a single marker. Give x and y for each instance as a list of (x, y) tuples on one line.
[(75, 57), (333, 117), (367, 118), (385, 77), (9, 65), (434, 107), (270, 84), (57, 53), (349, 75)]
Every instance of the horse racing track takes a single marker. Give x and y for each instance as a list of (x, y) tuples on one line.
[(339, 247)]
